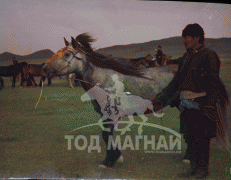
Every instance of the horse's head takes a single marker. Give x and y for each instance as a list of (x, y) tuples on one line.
[(64, 61), (149, 57), (82, 45), (66, 54)]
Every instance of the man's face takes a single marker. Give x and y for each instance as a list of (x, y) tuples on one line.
[(190, 42)]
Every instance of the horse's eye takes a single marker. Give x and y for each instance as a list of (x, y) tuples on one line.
[(67, 54)]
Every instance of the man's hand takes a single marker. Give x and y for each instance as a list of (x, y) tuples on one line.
[(157, 105)]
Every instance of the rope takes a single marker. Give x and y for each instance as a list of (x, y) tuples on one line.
[(39, 96), (86, 81)]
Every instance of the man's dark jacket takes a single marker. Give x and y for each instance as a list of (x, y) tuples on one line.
[(200, 72)]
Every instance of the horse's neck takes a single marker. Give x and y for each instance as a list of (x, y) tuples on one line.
[(94, 74), (88, 71)]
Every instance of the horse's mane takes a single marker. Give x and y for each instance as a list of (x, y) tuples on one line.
[(100, 60)]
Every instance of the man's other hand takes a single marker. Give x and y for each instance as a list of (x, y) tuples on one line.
[(157, 105)]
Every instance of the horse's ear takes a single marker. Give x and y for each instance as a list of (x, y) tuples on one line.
[(66, 42), (73, 42)]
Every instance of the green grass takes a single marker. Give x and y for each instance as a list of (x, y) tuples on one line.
[(31, 138)]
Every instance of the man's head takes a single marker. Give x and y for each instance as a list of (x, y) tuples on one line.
[(159, 47), (193, 34), (15, 61)]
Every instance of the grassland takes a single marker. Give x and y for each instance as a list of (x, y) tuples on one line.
[(32, 141)]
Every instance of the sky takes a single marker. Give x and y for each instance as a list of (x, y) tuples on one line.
[(27, 26)]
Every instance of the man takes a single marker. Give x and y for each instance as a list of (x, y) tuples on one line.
[(15, 61), (199, 93), (159, 56)]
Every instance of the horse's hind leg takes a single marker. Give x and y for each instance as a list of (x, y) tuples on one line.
[(13, 81), (113, 153), (33, 80), (42, 80), (22, 81), (30, 80), (49, 81)]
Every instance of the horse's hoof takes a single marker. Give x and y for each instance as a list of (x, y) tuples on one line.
[(120, 159), (186, 161), (105, 165), (102, 166)]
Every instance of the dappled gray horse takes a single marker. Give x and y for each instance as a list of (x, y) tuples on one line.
[(97, 68), (115, 111)]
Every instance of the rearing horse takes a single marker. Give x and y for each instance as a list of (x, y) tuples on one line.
[(96, 68)]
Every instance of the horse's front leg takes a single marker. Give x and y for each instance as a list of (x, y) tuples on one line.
[(42, 80), (13, 81), (49, 81), (113, 153)]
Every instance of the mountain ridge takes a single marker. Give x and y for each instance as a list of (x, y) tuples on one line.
[(7, 57), (172, 46)]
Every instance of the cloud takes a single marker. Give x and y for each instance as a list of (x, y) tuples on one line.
[(17, 45)]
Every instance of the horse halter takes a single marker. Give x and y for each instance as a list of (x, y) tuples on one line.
[(59, 55)]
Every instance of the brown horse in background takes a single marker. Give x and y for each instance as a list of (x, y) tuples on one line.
[(31, 70), (162, 61), (12, 71), (142, 62)]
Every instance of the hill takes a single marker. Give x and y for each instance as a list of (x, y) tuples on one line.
[(6, 57), (171, 46)]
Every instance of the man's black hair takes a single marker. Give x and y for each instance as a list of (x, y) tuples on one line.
[(159, 46), (194, 30)]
